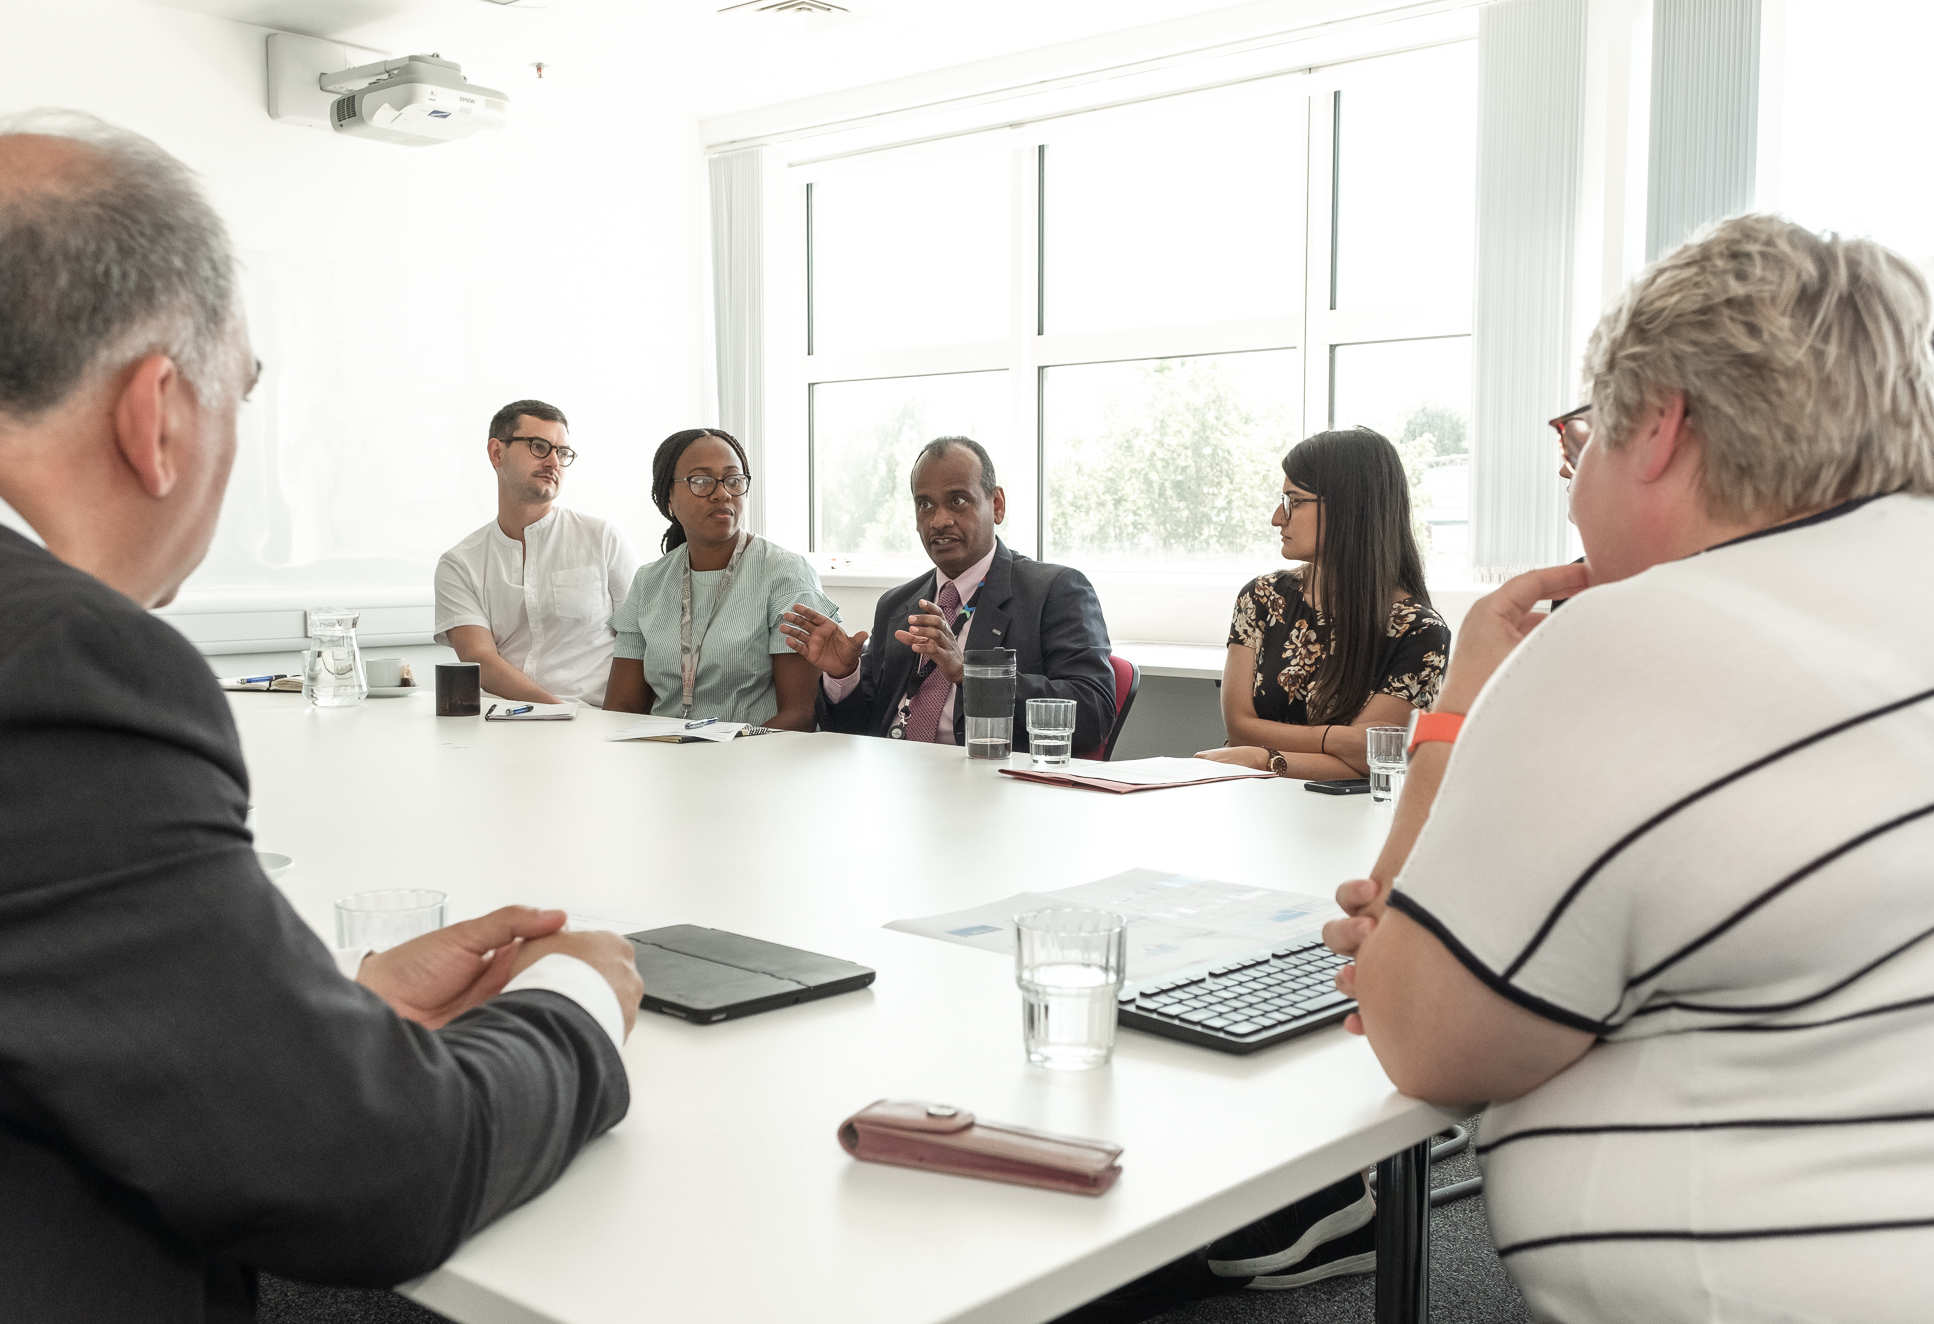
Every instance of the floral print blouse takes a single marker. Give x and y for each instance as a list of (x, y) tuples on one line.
[(1291, 638)]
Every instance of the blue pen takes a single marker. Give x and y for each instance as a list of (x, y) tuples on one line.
[(518, 712), (703, 721), (259, 680)]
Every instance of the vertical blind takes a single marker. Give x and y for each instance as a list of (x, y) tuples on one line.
[(1530, 62), (738, 303), (1705, 116)]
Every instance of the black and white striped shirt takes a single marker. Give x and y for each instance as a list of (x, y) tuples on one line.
[(1694, 814)]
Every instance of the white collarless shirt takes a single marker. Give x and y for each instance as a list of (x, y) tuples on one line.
[(546, 601)]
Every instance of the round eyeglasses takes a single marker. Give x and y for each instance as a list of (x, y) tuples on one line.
[(541, 449), (734, 484)]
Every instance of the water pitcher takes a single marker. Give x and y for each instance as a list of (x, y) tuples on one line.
[(332, 671)]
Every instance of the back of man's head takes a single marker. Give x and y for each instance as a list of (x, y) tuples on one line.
[(108, 252), (1804, 360)]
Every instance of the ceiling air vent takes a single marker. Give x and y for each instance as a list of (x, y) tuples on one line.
[(785, 7)]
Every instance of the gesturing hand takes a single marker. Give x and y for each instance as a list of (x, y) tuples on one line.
[(1362, 902), (931, 635), (1497, 623), (820, 640), (436, 978)]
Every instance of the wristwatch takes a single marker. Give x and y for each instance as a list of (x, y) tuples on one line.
[(1426, 727), (1278, 764)]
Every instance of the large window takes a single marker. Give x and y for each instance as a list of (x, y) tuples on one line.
[(1139, 309), (1156, 464)]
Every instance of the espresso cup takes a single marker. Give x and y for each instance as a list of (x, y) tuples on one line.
[(383, 673)]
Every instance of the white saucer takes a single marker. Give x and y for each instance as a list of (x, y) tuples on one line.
[(272, 864), (396, 691)]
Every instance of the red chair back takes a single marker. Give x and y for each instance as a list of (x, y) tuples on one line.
[(1128, 680)]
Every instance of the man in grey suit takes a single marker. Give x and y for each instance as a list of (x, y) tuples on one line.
[(979, 595), (190, 1089)]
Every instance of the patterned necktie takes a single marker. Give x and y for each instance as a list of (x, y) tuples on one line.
[(923, 714)]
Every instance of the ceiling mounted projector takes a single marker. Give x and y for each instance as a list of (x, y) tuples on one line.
[(412, 100), (416, 100)]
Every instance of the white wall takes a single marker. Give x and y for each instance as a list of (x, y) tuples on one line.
[(400, 295)]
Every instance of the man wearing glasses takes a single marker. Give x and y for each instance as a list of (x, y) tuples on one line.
[(529, 596)]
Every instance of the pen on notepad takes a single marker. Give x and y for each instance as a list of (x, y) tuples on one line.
[(493, 708), (703, 721), (260, 680), (516, 712)]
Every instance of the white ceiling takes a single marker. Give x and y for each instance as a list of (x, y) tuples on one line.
[(725, 62)]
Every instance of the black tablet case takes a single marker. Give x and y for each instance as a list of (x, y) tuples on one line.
[(707, 975)]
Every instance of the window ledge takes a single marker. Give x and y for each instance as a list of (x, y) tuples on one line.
[(1184, 661)]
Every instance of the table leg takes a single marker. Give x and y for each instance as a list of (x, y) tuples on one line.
[(1403, 1236)]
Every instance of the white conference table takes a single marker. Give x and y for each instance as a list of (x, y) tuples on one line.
[(724, 1193)]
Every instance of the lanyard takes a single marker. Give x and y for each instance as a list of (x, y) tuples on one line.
[(687, 649)]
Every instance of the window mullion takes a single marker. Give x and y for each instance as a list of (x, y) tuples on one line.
[(1319, 249), (1028, 310)]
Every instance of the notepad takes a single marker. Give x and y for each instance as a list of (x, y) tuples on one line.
[(281, 684), (539, 712), (1139, 774), (676, 731)]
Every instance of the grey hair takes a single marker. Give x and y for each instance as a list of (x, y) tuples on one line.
[(1804, 360), (941, 445), (116, 257)]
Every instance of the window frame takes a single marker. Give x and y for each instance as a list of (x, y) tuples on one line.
[(1314, 330)]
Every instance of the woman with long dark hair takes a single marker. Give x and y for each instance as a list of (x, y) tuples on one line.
[(698, 635), (1347, 641)]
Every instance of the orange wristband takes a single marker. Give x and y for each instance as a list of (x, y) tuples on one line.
[(1434, 726)]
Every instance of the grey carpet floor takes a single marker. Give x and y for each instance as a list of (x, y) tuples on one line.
[(1468, 1285)]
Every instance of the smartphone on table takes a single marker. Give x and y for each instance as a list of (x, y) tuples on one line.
[(1341, 786)]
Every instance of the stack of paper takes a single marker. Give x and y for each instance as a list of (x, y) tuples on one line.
[(676, 730), (1139, 774), (1174, 920)]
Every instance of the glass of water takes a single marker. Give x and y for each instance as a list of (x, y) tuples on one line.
[(380, 920), (1384, 747), (987, 692), (1050, 731), (1068, 961)]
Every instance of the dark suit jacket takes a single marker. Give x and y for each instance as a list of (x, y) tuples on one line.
[(1049, 616), (189, 1091)]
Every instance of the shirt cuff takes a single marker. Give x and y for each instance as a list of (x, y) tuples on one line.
[(576, 980), (349, 960), (838, 688)]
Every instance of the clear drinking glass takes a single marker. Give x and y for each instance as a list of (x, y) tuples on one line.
[(1384, 748), (987, 690), (384, 918), (1050, 731), (332, 668), (1069, 962)]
